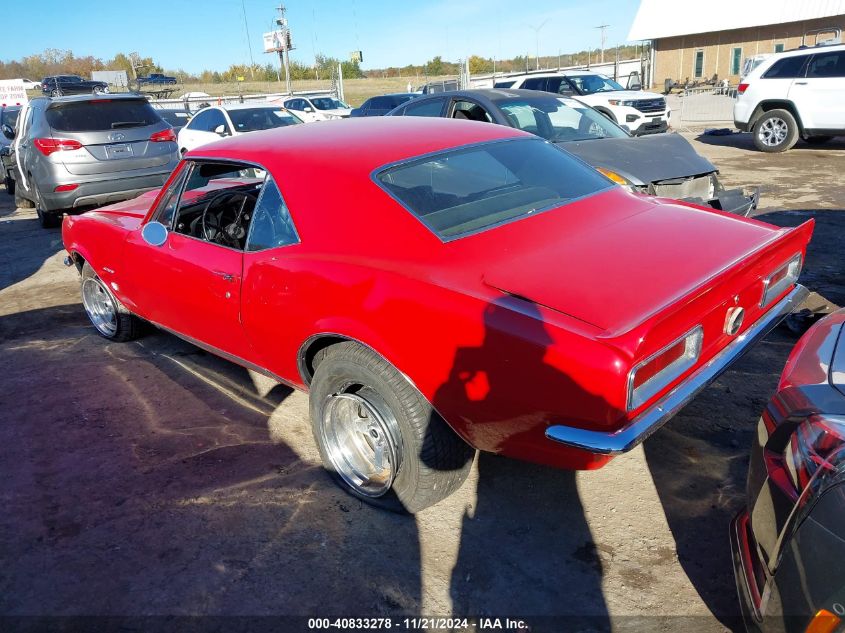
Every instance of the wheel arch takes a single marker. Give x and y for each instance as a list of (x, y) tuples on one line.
[(775, 104), (606, 112)]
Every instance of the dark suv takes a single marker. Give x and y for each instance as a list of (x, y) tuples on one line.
[(82, 151), (61, 85)]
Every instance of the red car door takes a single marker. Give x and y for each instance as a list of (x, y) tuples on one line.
[(192, 287), (190, 284)]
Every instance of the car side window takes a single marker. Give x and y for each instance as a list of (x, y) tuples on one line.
[(561, 86), (464, 109), (200, 122), (170, 199), (830, 64), (535, 83), (429, 107), (786, 68), (272, 225)]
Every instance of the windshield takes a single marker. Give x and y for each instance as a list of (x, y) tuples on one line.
[(328, 103), (464, 191), (590, 84), (9, 116), (559, 120), (253, 119)]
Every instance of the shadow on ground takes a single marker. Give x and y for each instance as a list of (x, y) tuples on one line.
[(745, 141)]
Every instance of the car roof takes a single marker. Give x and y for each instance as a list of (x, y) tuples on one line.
[(248, 106), (101, 98), (495, 94), (357, 145), (773, 58)]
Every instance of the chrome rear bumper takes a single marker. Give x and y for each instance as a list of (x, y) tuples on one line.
[(647, 422)]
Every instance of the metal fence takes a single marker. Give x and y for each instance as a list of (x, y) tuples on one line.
[(708, 104), (193, 102)]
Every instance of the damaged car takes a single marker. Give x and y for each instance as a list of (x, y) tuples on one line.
[(663, 165)]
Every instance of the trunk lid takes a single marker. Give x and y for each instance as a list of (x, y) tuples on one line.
[(615, 272)]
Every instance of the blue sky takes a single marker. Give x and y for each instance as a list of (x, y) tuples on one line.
[(196, 34)]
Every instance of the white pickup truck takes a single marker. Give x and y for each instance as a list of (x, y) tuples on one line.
[(641, 112)]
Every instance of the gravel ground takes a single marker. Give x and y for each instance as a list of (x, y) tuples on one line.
[(151, 478)]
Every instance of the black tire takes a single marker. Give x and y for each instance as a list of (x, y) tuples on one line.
[(433, 460), (775, 131), (10, 184), (23, 203), (48, 219), (818, 140), (56, 93), (126, 325)]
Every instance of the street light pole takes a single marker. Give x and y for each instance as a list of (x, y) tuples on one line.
[(537, 39)]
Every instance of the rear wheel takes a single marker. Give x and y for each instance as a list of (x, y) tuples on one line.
[(378, 436), (775, 131), (106, 313)]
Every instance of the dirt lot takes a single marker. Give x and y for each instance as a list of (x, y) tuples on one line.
[(151, 478)]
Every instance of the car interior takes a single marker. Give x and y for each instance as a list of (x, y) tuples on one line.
[(221, 201)]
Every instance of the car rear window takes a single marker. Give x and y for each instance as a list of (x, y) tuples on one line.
[(101, 114), (468, 190)]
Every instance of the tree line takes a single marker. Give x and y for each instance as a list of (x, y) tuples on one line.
[(56, 61)]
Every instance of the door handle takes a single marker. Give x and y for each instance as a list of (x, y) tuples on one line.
[(800, 83), (224, 275)]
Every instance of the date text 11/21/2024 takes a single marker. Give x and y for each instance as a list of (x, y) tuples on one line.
[(418, 624)]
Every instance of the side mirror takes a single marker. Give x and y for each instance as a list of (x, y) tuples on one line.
[(308, 109), (154, 233), (220, 130), (8, 132)]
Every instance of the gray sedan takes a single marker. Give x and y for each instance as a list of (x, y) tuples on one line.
[(659, 164)]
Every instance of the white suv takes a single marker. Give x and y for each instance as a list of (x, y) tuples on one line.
[(792, 94), (642, 112)]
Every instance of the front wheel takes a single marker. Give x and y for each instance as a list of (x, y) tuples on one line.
[(106, 313), (775, 131), (378, 436), (56, 93)]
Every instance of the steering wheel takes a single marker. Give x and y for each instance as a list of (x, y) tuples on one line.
[(216, 228)]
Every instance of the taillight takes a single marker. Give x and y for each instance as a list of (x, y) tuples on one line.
[(741, 88), (660, 369), (780, 280), (164, 136), (49, 145), (61, 188), (816, 449)]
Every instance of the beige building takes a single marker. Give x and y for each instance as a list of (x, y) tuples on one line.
[(693, 40)]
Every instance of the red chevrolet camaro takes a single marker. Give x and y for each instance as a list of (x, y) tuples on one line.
[(439, 286)]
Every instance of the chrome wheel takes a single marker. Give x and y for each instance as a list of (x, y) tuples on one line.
[(100, 306), (361, 437), (773, 132)]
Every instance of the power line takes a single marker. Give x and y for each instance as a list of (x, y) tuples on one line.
[(248, 42)]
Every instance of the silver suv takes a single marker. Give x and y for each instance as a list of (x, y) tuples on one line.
[(74, 152)]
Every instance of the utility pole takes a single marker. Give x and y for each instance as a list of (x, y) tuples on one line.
[(282, 23), (603, 28), (249, 43)]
